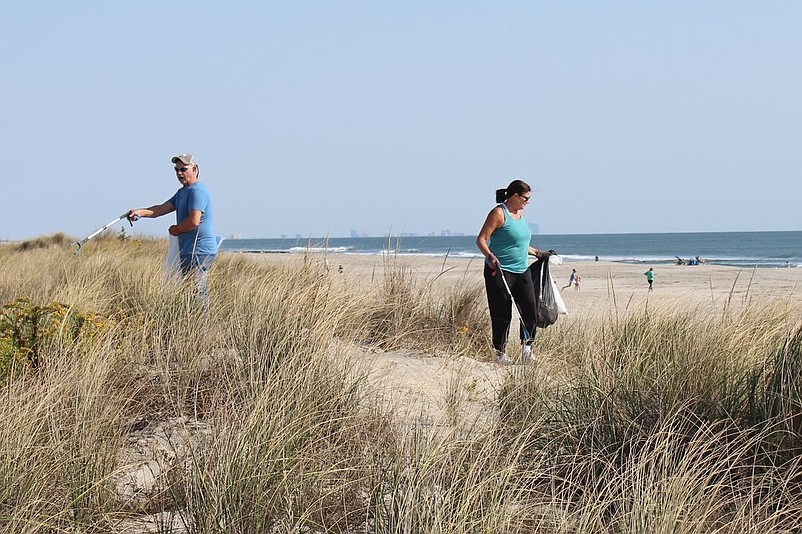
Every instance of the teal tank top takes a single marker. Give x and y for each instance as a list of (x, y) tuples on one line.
[(510, 243)]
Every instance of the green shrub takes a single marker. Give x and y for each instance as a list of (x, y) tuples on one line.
[(27, 330)]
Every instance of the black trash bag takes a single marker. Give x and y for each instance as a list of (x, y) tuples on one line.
[(547, 310)]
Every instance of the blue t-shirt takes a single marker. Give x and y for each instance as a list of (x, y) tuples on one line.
[(201, 240), (509, 243)]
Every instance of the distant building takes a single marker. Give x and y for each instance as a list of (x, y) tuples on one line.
[(354, 233)]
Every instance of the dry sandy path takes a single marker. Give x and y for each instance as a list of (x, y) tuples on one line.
[(442, 389)]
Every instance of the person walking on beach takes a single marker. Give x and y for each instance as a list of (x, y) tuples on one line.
[(504, 242), (650, 277), (571, 279), (192, 205)]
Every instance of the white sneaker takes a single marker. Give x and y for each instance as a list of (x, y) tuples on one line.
[(502, 358), (526, 354)]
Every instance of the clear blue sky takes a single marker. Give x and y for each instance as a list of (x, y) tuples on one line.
[(317, 117)]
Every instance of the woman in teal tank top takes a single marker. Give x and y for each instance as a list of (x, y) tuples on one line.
[(504, 242)]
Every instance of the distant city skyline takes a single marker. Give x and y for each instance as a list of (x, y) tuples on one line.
[(355, 233)]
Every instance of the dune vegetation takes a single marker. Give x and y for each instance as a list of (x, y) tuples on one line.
[(127, 408)]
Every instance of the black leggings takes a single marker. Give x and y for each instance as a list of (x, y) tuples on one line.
[(500, 304)]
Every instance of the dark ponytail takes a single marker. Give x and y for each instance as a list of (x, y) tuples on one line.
[(515, 187)]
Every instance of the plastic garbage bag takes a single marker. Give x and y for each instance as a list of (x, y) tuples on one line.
[(561, 309), (554, 259), (547, 296), (172, 262)]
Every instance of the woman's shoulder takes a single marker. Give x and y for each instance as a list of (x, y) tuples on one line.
[(497, 210)]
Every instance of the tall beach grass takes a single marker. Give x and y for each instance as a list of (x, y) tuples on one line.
[(149, 415)]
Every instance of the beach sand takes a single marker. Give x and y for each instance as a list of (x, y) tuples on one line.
[(606, 286), (425, 388)]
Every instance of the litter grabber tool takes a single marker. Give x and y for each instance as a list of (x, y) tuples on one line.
[(80, 243)]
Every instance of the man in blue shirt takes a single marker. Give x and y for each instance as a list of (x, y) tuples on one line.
[(192, 205)]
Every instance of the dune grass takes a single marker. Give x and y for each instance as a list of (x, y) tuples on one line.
[(141, 413)]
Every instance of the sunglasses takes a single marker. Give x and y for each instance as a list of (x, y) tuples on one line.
[(526, 199), (181, 169)]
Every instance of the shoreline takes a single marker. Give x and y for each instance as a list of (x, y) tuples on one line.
[(477, 257), (740, 249)]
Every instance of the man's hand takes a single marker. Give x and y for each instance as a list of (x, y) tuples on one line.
[(173, 230)]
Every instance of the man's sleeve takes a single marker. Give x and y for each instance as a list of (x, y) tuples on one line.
[(198, 201)]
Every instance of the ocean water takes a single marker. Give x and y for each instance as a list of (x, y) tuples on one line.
[(740, 249)]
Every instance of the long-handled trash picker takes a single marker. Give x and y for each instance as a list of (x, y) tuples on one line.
[(80, 243)]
